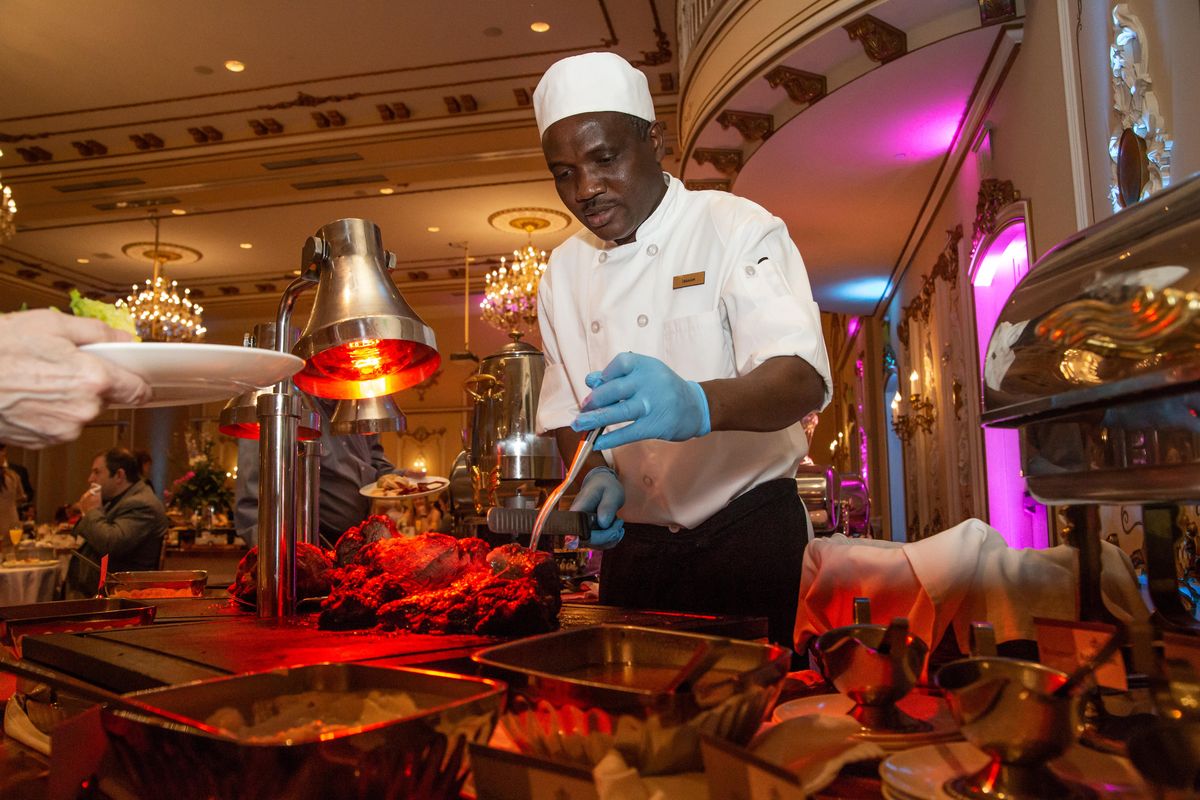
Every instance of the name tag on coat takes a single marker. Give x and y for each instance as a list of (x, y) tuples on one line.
[(691, 279)]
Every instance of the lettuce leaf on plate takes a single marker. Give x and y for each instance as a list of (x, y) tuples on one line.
[(119, 318)]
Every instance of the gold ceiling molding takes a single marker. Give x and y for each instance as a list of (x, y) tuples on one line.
[(994, 11), (725, 160), (661, 55), (166, 251), (753, 126), (802, 87), (880, 41), (310, 101)]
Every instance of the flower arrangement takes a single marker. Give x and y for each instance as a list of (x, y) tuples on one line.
[(205, 485)]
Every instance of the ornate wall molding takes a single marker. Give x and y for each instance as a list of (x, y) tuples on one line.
[(1136, 105), (881, 42), (801, 87), (993, 195), (717, 185), (945, 268), (726, 161), (753, 126)]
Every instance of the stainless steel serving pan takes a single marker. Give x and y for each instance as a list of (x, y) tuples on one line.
[(574, 695), (421, 755)]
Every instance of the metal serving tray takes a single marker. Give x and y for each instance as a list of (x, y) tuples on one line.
[(574, 695), (157, 584), (70, 616), (419, 755)]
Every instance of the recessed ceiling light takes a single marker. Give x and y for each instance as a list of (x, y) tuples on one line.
[(493, 31), (540, 27), (245, 245), (386, 190), (295, 272), (83, 261), (179, 212), (234, 66), (433, 229)]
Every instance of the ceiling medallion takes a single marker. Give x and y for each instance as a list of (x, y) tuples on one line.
[(529, 220)]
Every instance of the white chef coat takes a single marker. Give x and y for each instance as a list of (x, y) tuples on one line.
[(750, 302)]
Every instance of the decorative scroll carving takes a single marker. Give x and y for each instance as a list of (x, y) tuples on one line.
[(662, 55), (993, 11), (993, 195), (1136, 105), (310, 101), (715, 185), (753, 127), (880, 41), (422, 434), (801, 86), (427, 384), (727, 161), (946, 268)]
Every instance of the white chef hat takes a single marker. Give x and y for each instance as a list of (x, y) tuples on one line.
[(591, 82)]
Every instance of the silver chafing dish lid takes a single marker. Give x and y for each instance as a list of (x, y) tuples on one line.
[(1110, 314)]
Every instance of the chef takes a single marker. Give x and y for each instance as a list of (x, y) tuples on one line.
[(683, 323)]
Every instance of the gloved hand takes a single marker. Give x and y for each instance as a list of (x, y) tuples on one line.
[(603, 494), (644, 390)]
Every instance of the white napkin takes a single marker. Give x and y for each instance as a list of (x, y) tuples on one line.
[(815, 747), (965, 574), (616, 780)]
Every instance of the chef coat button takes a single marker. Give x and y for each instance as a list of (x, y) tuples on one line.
[(595, 327), (603, 257), (750, 270), (652, 250), (646, 479), (643, 320), (673, 528)]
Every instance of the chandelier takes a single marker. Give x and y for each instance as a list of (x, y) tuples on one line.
[(510, 293), (8, 210), (159, 311)]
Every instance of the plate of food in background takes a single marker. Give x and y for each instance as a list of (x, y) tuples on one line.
[(398, 487)]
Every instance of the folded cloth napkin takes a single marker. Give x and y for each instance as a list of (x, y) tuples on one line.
[(616, 780), (815, 747), (965, 574)]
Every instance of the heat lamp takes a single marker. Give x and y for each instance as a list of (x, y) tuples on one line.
[(362, 340)]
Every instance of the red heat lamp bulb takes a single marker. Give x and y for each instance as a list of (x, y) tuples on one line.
[(367, 368)]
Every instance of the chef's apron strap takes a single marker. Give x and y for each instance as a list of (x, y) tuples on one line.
[(745, 559)]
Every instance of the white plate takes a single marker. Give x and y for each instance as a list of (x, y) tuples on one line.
[(923, 771), (370, 490), (927, 708), (183, 373)]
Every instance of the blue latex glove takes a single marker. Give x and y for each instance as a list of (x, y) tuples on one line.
[(603, 494), (645, 391)]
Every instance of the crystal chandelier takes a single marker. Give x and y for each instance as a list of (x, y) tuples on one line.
[(8, 210), (160, 312), (510, 293)]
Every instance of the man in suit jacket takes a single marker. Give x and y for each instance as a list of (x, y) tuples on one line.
[(122, 519)]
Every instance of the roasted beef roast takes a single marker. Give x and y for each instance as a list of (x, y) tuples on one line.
[(313, 566), (434, 583)]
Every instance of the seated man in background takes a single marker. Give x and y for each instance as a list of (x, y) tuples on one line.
[(122, 519)]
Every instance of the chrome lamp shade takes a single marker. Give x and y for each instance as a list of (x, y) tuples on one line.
[(367, 416), (362, 339)]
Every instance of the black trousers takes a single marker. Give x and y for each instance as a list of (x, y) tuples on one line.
[(745, 559)]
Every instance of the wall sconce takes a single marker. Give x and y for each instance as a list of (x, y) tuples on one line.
[(920, 414)]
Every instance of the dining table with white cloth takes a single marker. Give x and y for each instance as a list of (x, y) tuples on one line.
[(28, 582)]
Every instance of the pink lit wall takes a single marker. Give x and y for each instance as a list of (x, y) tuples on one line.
[(1018, 517)]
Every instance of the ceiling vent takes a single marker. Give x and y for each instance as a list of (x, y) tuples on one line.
[(336, 158), (141, 203), (334, 182), (94, 185)]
